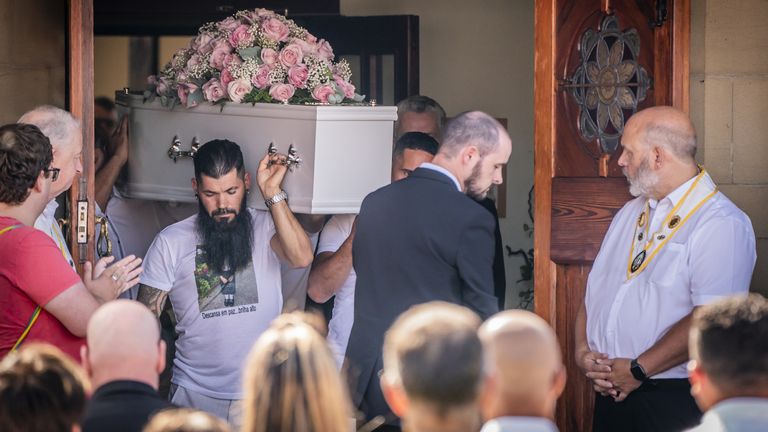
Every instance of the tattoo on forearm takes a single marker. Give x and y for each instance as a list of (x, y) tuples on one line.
[(153, 298)]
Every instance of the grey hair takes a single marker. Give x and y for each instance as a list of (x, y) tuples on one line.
[(470, 128), (680, 142), (57, 124), (420, 104)]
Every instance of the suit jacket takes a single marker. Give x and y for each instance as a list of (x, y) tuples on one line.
[(417, 240), (122, 406)]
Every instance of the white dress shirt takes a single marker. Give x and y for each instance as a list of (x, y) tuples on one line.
[(710, 257), (442, 170), (736, 415), (519, 424), (47, 223)]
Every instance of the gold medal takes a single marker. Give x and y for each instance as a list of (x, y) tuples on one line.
[(641, 220), (674, 222)]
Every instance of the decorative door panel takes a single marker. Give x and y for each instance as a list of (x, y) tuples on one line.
[(597, 63)]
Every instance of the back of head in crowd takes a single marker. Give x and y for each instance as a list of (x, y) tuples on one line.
[(729, 350), (433, 368), (41, 390), (292, 383), (524, 365), (412, 149), (104, 114), (419, 114), (471, 128), (185, 420), (25, 153)]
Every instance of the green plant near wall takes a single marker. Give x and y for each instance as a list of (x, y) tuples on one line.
[(526, 269)]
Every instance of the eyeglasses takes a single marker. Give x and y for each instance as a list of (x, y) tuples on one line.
[(53, 171)]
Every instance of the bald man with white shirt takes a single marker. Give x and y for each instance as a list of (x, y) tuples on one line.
[(679, 245)]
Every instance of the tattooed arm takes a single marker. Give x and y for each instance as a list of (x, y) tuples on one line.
[(152, 298)]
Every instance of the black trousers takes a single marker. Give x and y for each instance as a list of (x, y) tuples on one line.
[(664, 405)]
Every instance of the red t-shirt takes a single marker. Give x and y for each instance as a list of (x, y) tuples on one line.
[(32, 272)]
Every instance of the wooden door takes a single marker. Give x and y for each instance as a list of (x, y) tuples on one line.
[(597, 62)]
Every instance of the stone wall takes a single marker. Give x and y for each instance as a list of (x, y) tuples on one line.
[(729, 105)]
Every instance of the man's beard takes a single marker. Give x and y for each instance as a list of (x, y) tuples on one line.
[(228, 244), (644, 182), (471, 187)]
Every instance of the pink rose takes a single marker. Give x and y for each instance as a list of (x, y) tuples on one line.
[(181, 77), (298, 75), (269, 56), (220, 50), (310, 38), (241, 36), (162, 86), (226, 78), (229, 24), (321, 93), (202, 43), (291, 55), (213, 91), (238, 88), (261, 78), (183, 90), (307, 47), (194, 61), (274, 29), (282, 92), (324, 50), (231, 59), (346, 87)]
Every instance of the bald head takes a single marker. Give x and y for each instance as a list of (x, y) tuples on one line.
[(124, 343), (667, 127), (523, 357)]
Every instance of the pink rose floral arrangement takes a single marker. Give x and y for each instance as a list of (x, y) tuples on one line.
[(254, 56)]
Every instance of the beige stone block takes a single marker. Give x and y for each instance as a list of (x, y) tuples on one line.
[(760, 275), (750, 131), (719, 165), (698, 33), (736, 36), (751, 199), (718, 110), (39, 27)]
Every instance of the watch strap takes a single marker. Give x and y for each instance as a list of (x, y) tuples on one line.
[(276, 199)]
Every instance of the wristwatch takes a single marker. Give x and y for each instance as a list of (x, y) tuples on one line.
[(637, 371), (276, 199)]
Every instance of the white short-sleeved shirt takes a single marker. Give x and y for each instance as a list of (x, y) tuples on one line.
[(214, 340), (710, 257), (295, 282), (47, 223), (333, 235)]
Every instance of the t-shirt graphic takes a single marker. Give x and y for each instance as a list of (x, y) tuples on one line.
[(225, 288)]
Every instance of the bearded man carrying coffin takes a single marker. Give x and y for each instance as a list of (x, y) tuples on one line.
[(221, 270), (679, 245)]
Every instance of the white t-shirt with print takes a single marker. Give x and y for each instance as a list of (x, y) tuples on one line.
[(214, 339), (333, 235)]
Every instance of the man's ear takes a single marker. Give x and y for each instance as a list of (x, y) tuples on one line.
[(194, 185), (395, 397), (559, 382), (161, 348), (696, 376), (247, 180), (39, 185), (659, 156)]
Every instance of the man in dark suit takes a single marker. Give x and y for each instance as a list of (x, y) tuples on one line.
[(423, 239), (124, 358)]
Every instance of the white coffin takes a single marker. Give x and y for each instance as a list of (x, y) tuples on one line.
[(346, 151)]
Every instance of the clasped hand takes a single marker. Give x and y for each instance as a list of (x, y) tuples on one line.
[(610, 377)]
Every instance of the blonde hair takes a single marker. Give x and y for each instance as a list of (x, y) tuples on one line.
[(185, 420), (292, 383)]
